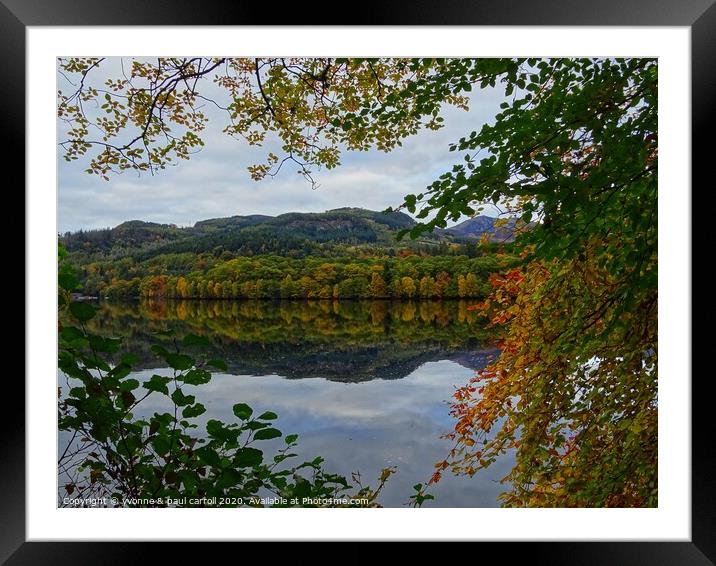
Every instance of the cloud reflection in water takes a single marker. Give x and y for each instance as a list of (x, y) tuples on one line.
[(364, 426)]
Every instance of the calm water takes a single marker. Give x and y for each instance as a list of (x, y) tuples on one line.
[(364, 384)]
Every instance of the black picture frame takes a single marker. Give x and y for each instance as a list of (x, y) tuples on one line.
[(699, 15)]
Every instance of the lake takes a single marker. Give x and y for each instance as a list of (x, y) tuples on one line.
[(366, 385)]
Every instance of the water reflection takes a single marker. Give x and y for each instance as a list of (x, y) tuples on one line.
[(342, 341), (382, 374)]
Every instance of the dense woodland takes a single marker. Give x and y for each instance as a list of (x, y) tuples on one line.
[(187, 276), (340, 254)]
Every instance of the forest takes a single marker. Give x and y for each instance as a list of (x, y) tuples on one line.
[(190, 276), (347, 253)]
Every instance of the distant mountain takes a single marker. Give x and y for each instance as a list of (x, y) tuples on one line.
[(340, 224), (243, 234), (133, 234), (256, 234), (479, 225)]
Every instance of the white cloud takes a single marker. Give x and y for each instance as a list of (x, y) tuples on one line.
[(215, 181)]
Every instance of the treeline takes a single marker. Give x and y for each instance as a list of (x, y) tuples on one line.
[(276, 277), (106, 248)]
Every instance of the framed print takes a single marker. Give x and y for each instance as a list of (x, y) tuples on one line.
[(412, 268)]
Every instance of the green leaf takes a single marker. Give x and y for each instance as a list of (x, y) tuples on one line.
[(248, 457), (229, 477), (82, 311), (267, 416), (158, 383), (127, 398), (193, 410), (217, 429), (208, 456), (128, 385), (188, 478), (127, 446), (70, 333), (243, 411), (196, 377), (214, 427), (267, 434), (180, 399), (161, 445), (179, 361), (291, 438), (78, 392), (120, 371), (67, 281)]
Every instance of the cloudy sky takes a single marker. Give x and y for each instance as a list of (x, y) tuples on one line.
[(215, 182)]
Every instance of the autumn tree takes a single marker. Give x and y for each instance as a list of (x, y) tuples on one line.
[(182, 287), (461, 290), (288, 287), (262, 276), (574, 391), (326, 274), (427, 288), (150, 116), (442, 284), (471, 286), (378, 287), (407, 287)]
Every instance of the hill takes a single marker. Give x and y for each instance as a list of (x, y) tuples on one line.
[(474, 228), (293, 232)]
